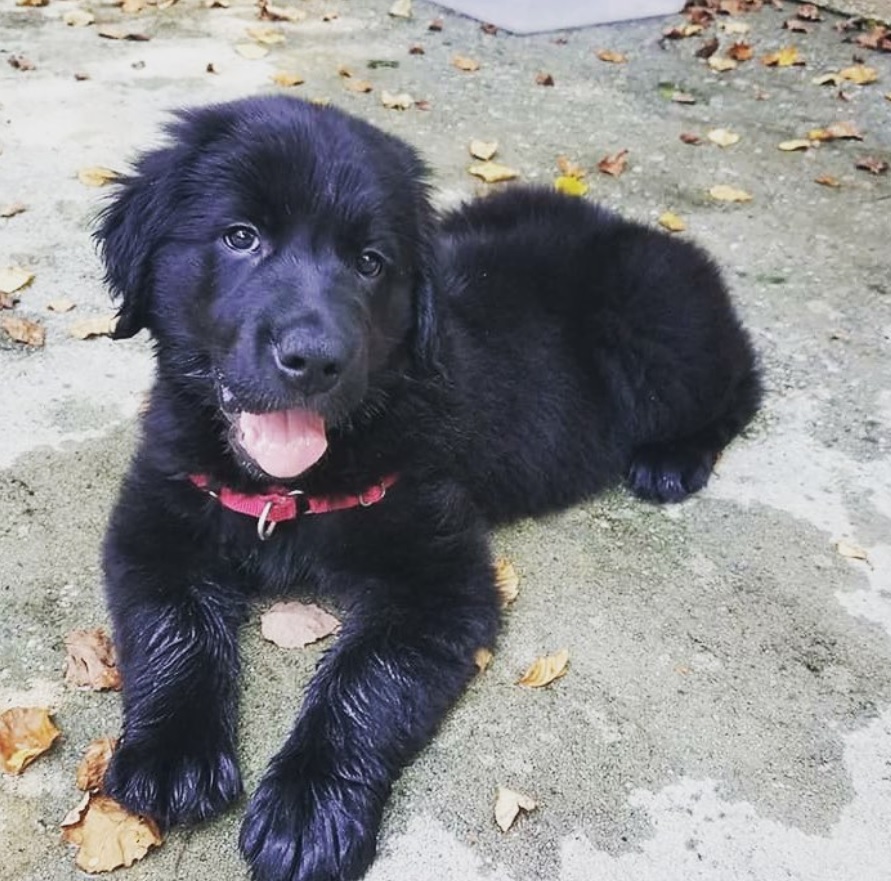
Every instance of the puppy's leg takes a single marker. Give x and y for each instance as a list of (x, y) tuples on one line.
[(177, 650), (403, 658)]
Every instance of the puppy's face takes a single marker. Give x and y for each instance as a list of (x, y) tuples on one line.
[(281, 253)]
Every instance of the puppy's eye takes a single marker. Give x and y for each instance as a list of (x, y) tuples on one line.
[(370, 264), (242, 238)]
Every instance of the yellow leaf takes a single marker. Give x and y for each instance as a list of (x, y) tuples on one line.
[(401, 9), (14, 278), (107, 836), (493, 172), (398, 101), (286, 78), (25, 734), (462, 62), (568, 168), (720, 63), (482, 658), (507, 582), (612, 57), (859, 74), (795, 144), (78, 18), (508, 804), (672, 222), (722, 137), (96, 176), (97, 325), (785, 57), (571, 186), (293, 625), (251, 51), (266, 36), (724, 193), (545, 670), (851, 551), (484, 150)]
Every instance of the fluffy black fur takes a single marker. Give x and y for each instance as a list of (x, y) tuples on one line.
[(511, 358)]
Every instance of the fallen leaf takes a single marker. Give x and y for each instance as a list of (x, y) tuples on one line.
[(423, 104), (872, 164), (107, 836), (493, 172), (544, 79), (707, 49), (330, 16), (78, 18), (19, 62), (25, 734), (888, 96), (683, 98), (568, 168), (416, 49), (734, 27), (614, 165), (827, 79), (14, 278), (827, 180), (724, 193), (878, 37), (612, 57), (91, 770), (211, 68), (436, 25), (489, 29), (690, 138), (484, 150), (75, 815), (545, 670), (7, 301), (571, 186), (12, 209), (796, 26), (96, 176), (293, 625), (109, 32), (508, 805), (482, 658), (721, 63), (361, 87), (32, 3), (251, 51), (287, 78), (401, 9), (399, 101), (851, 551), (507, 581), (836, 131), (785, 57), (265, 36), (809, 12), (462, 62), (22, 330), (723, 137), (60, 305), (269, 12), (795, 144), (680, 32), (97, 325), (90, 661), (740, 52), (859, 74), (672, 222)]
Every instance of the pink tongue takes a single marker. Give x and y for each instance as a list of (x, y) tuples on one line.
[(284, 443)]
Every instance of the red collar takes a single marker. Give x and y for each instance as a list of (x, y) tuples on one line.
[(280, 503)]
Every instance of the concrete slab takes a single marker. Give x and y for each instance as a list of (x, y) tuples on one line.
[(728, 709)]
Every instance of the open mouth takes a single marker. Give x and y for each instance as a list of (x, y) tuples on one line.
[(284, 443)]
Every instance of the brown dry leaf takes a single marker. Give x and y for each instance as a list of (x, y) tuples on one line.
[(544, 79), (482, 658), (827, 180), (265, 36), (484, 150), (132, 7), (796, 26), (462, 62), (740, 52), (878, 37), (508, 804), (97, 176), (293, 625), (97, 325), (7, 301), (507, 581), (423, 104), (14, 278), (851, 551), (690, 138), (872, 164), (707, 48), (361, 87), (251, 51), (612, 56), (724, 193), (683, 98), (401, 9), (570, 186), (436, 25), (25, 734), (330, 16), (19, 62), (109, 32), (680, 32), (722, 137), (107, 836), (12, 209), (91, 770), (493, 172), (544, 670), (794, 144), (785, 57), (287, 78), (614, 165), (416, 49), (269, 12), (90, 662), (78, 18), (859, 74), (809, 12), (568, 168), (61, 304), (22, 330), (31, 2), (721, 63), (835, 132), (672, 222), (398, 101)]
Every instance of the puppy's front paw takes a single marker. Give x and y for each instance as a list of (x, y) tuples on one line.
[(170, 782), (669, 473), (305, 827)]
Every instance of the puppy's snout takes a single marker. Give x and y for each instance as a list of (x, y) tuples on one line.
[(309, 364)]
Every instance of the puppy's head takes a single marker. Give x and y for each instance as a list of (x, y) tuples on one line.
[(280, 254)]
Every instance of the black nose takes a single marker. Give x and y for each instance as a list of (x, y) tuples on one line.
[(311, 365)]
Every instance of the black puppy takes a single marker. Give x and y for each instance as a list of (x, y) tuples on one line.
[(349, 393)]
